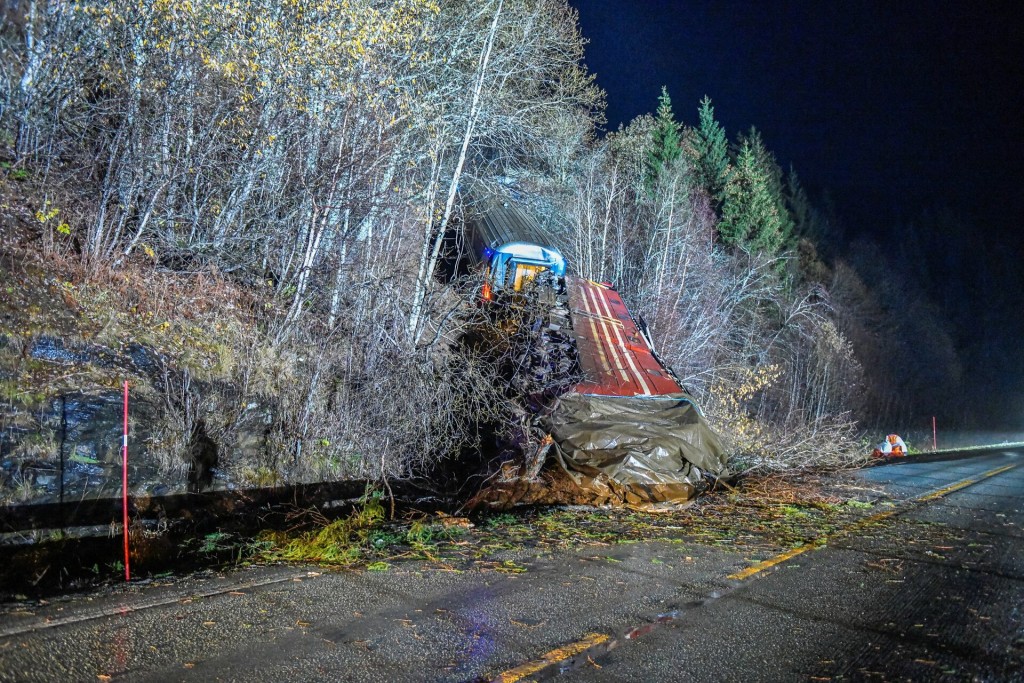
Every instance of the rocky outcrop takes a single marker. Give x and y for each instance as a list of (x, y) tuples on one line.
[(61, 424)]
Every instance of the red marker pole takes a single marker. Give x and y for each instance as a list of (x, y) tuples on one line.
[(124, 463), (935, 435)]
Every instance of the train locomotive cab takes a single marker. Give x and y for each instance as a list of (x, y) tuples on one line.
[(515, 265), (508, 246)]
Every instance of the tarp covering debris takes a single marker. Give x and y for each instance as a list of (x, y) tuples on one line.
[(644, 452), (633, 440), (662, 443)]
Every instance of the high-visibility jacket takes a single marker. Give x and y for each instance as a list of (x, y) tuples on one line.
[(895, 442)]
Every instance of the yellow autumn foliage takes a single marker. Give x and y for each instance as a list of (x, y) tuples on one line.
[(732, 398), (300, 54)]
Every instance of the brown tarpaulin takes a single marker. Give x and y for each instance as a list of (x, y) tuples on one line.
[(660, 441), (613, 450)]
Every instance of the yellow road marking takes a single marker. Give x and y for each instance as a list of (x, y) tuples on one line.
[(553, 657), (761, 566), (789, 554), (965, 483)]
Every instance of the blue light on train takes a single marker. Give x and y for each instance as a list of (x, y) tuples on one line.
[(488, 252)]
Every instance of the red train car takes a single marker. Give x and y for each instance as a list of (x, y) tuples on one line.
[(627, 432), (614, 355)]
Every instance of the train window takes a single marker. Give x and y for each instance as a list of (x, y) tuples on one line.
[(525, 275)]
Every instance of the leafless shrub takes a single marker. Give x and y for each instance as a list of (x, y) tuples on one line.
[(830, 443), (168, 444)]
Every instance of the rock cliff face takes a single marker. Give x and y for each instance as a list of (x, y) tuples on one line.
[(70, 338), (61, 440)]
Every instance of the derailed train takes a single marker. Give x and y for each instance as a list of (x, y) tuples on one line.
[(625, 432)]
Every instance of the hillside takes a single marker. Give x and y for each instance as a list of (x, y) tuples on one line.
[(240, 208)]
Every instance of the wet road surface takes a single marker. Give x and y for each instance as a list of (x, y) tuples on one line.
[(931, 589), (934, 592)]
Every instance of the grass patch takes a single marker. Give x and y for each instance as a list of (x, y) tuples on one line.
[(364, 536), (754, 518)]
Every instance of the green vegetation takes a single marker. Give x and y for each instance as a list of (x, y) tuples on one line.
[(762, 517), (708, 153), (664, 149), (214, 542), (754, 217), (361, 536), (500, 519)]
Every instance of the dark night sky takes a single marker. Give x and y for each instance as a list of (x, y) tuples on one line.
[(893, 107)]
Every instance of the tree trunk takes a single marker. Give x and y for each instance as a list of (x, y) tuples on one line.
[(427, 265)]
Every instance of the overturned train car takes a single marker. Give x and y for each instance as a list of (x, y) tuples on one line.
[(508, 246), (627, 433)]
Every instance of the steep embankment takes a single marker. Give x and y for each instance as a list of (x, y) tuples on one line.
[(70, 336)]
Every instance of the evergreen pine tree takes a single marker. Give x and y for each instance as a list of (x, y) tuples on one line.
[(665, 147), (750, 216), (772, 173), (709, 153)]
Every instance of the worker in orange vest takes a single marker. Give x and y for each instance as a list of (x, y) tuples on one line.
[(893, 445)]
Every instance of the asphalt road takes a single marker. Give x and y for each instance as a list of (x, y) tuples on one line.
[(930, 589)]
